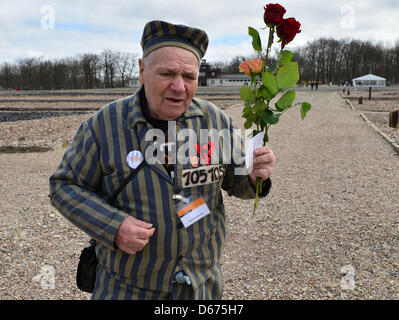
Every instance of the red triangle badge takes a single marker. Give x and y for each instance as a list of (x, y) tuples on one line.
[(205, 151)]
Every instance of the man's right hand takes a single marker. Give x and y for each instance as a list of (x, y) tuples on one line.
[(133, 235)]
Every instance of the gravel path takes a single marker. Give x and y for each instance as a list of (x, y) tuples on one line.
[(333, 206)]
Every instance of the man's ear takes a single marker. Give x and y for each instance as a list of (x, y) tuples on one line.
[(141, 69)]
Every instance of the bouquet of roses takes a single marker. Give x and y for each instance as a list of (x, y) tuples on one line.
[(276, 79)]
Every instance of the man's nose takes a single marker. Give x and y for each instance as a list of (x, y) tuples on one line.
[(178, 84)]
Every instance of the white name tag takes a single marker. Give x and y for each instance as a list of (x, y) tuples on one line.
[(203, 175), (193, 211)]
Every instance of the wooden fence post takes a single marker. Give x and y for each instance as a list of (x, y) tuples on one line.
[(394, 119)]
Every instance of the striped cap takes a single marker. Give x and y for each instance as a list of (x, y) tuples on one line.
[(159, 34)]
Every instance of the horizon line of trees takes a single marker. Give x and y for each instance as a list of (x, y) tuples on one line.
[(108, 69), (325, 60), (328, 60)]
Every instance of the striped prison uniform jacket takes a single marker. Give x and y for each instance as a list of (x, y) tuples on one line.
[(93, 167)]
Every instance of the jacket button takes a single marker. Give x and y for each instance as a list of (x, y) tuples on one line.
[(180, 225)]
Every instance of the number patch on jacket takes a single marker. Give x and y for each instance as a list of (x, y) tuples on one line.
[(202, 175)]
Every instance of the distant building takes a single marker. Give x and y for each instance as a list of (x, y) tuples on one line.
[(207, 72), (133, 82), (230, 80)]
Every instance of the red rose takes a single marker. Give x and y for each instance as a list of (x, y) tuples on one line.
[(273, 14), (287, 30)]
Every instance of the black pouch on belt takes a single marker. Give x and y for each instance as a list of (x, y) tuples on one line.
[(87, 268)]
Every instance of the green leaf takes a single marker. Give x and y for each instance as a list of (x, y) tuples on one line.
[(260, 107), (270, 118), (247, 111), (247, 95), (256, 42), (248, 124), (305, 107), (285, 57), (286, 100), (288, 76), (265, 93), (272, 68), (270, 83)]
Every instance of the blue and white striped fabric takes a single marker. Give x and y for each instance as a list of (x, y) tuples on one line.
[(95, 165)]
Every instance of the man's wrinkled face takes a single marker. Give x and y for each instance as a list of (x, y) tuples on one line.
[(170, 78)]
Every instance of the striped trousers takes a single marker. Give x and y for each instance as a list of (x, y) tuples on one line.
[(108, 286)]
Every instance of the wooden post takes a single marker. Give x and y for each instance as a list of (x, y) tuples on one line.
[(370, 92), (360, 100), (394, 119)]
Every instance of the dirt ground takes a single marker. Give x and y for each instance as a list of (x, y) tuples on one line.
[(328, 229)]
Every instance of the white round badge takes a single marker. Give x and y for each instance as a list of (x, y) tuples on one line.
[(134, 158)]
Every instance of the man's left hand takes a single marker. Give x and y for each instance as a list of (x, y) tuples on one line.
[(263, 164)]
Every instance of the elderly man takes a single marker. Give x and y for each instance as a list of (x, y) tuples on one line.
[(159, 225)]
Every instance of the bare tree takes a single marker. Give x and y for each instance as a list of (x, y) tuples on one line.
[(327, 60), (331, 60), (26, 72), (108, 63), (126, 63), (6, 76), (89, 65), (232, 66)]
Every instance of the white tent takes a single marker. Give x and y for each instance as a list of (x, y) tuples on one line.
[(369, 80)]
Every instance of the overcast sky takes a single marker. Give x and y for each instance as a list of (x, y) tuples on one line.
[(57, 29)]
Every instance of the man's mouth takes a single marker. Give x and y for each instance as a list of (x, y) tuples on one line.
[(174, 100)]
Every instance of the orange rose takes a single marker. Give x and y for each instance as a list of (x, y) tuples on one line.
[(248, 66)]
